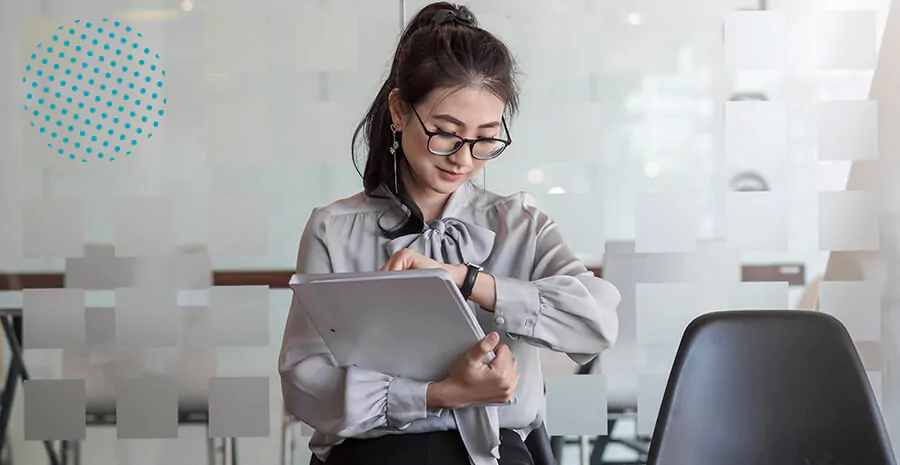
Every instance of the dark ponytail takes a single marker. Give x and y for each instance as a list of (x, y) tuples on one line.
[(442, 47)]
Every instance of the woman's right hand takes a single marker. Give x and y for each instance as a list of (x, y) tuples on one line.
[(472, 381)]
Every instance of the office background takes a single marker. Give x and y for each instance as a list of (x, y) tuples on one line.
[(697, 153)]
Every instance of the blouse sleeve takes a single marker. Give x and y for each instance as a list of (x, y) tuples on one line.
[(563, 307), (337, 401)]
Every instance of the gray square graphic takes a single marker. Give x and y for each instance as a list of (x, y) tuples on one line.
[(54, 409), (147, 408), (239, 407)]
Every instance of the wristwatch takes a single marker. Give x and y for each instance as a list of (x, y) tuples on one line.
[(469, 281)]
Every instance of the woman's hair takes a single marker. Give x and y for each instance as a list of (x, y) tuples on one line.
[(442, 47)]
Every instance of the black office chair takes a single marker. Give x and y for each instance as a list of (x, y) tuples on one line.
[(768, 387)]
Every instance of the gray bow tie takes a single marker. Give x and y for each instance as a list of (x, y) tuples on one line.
[(449, 241)]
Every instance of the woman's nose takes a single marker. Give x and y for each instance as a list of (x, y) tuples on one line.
[(463, 156)]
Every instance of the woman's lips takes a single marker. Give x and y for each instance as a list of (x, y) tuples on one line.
[(450, 175)]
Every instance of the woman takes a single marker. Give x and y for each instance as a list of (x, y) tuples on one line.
[(438, 119)]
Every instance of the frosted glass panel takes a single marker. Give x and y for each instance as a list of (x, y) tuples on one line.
[(146, 317), (849, 221), (54, 409), (755, 40), (239, 315), (234, 43), (757, 221), (145, 226), (239, 225), (666, 223), (238, 407), (53, 319), (339, 53), (846, 40), (576, 405), (857, 304), (238, 134), (759, 296), (848, 130), (53, 228), (582, 228), (755, 131), (147, 408), (664, 310)]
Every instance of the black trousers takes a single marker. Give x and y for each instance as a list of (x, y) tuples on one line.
[(438, 448)]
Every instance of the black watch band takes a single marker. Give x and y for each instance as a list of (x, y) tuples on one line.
[(469, 280)]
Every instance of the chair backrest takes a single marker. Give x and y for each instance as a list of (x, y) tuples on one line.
[(768, 387)]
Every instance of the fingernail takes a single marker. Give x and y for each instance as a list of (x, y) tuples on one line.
[(493, 336)]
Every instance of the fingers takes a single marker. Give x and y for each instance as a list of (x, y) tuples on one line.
[(506, 369), (504, 359), (484, 347), (400, 261)]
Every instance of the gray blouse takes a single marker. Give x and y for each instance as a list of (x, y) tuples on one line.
[(546, 298)]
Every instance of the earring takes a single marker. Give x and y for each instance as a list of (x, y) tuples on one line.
[(393, 149)]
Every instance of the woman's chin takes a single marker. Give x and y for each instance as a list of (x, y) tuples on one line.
[(446, 187)]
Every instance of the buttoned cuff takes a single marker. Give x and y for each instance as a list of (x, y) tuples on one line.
[(518, 306), (406, 402)]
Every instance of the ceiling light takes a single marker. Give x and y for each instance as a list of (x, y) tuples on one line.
[(634, 19)]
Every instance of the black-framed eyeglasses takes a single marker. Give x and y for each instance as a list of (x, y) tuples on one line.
[(444, 144)]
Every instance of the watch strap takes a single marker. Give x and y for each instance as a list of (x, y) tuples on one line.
[(469, 281)]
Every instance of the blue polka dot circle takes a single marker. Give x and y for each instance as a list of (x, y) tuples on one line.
[(94, 90)]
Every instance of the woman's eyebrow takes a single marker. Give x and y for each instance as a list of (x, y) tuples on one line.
[(451, 119)]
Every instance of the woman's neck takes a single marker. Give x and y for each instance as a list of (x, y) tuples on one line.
[(431, 203)]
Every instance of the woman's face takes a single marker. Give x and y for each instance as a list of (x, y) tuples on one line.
[(468, 112)]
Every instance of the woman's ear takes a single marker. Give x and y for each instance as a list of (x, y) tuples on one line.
[(396, 107)]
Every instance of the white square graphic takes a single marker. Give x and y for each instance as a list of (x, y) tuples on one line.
[(239, 226), (759, 296), (583, 227), (229, 126), (239, 407), (756, 221), (848, 130), (849, 221), (667, 223), (846, 40), (147, 407), (53, 319), (145, 226), (755, 131), (53, 228), (756, 41), (146, 318), (239, 315), (664, 310), (54, 409), (857, 304), (576, 405)]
